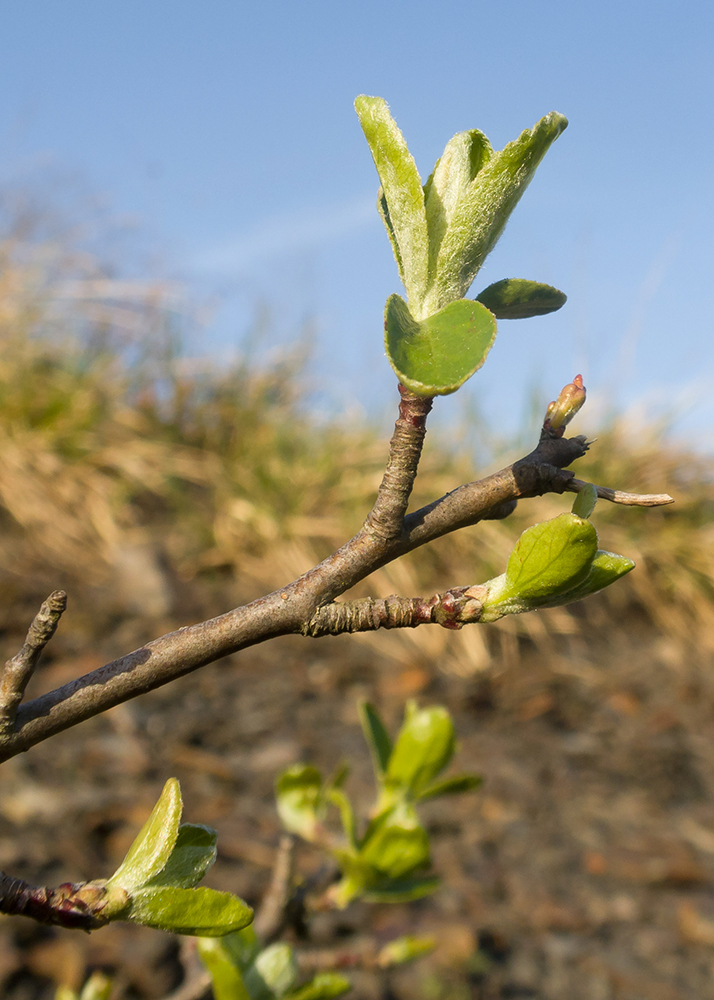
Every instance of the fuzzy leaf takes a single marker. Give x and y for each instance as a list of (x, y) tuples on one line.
[(481, 214), (201, 912), (423, 748), (299, 795), (378, 741), (324, 986), (153, 846), (516, 298), (226, 979), (461, 160), (404, 949), (272, 973), (457, 785), (436, 356), (401, 197), (193, 854)]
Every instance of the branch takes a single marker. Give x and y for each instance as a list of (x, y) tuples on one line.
[(385, 518), (19, 669), (457, 607), (73, 905), (271, 916), (626, 499), (293, 609)]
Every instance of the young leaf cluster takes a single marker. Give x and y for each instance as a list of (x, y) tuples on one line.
[(241, 969), (441, 233), (554, 562), (385, 860), (155, 883)]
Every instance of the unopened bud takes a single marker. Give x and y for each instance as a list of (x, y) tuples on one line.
[(562, 410)]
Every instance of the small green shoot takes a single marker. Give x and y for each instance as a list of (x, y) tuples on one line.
[(386, 858)]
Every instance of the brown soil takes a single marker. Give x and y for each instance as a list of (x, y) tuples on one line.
[(584, 868)]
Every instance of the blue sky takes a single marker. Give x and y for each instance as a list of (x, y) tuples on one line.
[(227, 130)]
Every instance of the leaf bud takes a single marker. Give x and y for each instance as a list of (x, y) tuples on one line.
[(562, 410)]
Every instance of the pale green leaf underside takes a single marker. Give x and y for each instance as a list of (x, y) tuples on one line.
[(405, 216), (437, 355), (517, 298), (481, 214), (200, 912), (154, 843)]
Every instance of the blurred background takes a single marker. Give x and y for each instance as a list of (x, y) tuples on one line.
[(194, 407)]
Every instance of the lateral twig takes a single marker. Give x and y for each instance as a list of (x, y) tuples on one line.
[(271, 916), (626, 499), (196, 980), (385, 518), (18, 670)]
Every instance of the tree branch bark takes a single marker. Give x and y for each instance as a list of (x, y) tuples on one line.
[(292, 609)]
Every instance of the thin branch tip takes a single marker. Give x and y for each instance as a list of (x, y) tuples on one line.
[(622, 498), (19, 669)]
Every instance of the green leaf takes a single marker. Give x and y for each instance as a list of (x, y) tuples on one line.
[(339, 776), (201, 912), (272, 973), (423, 748), (404, 949), (457, 785), (324, 986), (193, 854), (606, 568), (549, 559), (242, 946), (461, 160), (226, 979), (402, 196), (338, 798), (483, 209), (437, 355), (395, 844), (299, 796), (516, 298), (155, 842), (584, 503), (98, 987), (401, 890), (378, 741)]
